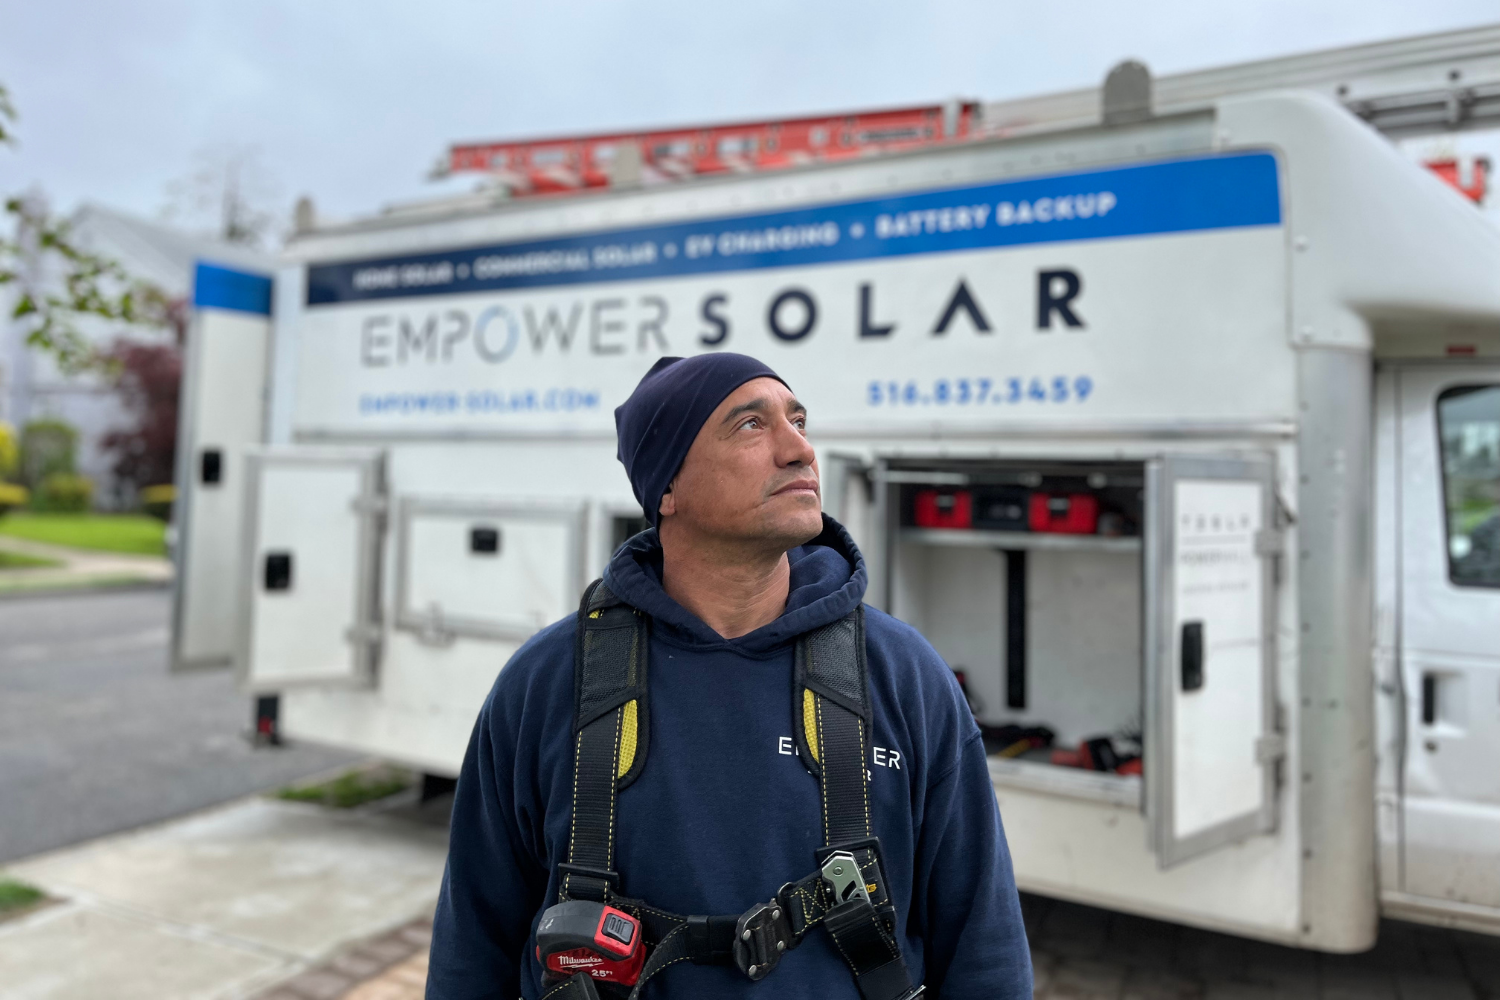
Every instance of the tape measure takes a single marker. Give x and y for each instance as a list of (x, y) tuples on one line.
[(580, 936)]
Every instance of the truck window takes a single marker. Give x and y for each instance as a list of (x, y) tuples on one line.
[(1469, 436)]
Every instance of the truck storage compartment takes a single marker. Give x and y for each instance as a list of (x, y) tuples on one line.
[(1036, 601), (485, 568)]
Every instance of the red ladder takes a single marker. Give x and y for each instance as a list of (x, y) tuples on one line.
[(565, 164)]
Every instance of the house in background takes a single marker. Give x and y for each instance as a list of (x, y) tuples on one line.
[(31, 385)]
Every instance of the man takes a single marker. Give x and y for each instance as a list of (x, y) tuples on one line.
[(740, 566)]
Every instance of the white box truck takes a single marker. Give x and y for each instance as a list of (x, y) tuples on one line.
[(1255, 348)]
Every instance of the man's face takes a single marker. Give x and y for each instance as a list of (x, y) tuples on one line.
[(750, 474)]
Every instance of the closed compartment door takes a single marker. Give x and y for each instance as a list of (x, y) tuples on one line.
[(312, 550), (486, 569), (1210, 740), (1449, 476)]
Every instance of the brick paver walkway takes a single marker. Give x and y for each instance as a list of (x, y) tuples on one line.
[(405, 981), (1082, 953), (392, 966)]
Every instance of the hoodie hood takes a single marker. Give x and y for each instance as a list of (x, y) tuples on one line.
[(828, 581)]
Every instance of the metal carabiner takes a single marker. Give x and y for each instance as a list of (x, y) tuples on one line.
[(843, 876)]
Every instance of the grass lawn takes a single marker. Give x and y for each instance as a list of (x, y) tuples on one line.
[(133, 533), (353, 788), (14, 895), (13, 560)]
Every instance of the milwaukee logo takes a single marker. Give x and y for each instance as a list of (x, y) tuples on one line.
[(577, 961)]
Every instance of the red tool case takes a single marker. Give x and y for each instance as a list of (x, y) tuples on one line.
[(1064, 514), (944, 509)]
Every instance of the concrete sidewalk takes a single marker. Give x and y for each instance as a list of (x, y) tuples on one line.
[(80, 568), (227, 904)]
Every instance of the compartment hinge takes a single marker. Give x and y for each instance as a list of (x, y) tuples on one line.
[(1270, 748), (1269, 542), (376, 505), (364, 635), (431, 630)]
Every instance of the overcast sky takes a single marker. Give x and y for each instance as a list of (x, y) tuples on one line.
[(351, 102)]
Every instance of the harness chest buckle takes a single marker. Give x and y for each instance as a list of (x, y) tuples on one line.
[(761, 936)]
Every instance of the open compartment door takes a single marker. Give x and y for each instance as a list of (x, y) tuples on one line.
[(486, 569), (1210, 741), (222, 413), (312, 557)]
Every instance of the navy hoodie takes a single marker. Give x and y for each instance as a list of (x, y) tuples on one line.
[(724, 812)]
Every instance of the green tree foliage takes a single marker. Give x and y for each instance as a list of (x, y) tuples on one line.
[(48, 448), (12, 495), (7, 116), (58, 282), (10, 451), (63, 493)]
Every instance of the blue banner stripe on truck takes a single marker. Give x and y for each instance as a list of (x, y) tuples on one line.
[(1210, 192), (217, 287)]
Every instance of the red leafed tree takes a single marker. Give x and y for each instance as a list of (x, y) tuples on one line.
[(147, 376)]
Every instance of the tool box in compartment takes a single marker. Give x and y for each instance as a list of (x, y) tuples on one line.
[(1002, 508), (1064, 513), (1039, 603), (943, 509)]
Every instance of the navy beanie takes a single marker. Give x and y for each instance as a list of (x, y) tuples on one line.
[(657, 424)]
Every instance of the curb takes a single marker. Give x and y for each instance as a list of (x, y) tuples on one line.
[(202, 811), (83, 588)]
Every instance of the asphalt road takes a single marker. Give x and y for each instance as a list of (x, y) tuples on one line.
[(96, 736)]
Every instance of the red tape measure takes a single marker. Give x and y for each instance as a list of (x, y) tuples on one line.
[(580, 936)]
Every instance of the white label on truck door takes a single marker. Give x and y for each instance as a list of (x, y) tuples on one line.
[(1210, 688), (1218, 578)]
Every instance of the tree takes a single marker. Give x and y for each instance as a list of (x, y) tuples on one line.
[(58, 282), (49, 447), (225, 196), (148, 377), (7, 115)]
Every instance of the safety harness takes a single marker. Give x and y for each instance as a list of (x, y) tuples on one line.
[(847, 893)]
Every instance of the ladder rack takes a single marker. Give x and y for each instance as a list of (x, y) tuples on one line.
[(1409, 86)]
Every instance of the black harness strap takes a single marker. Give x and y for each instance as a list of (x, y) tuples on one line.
[(833, 703), (609, 695), (576, 987), (833, 700)]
